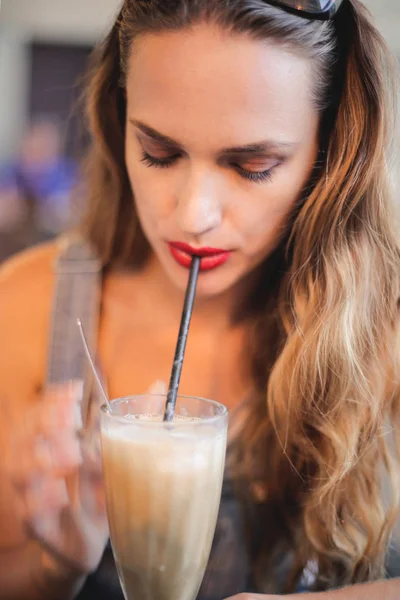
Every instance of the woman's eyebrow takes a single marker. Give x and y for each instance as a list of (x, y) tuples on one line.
[(263, 147), (155, 135), (247, 149)]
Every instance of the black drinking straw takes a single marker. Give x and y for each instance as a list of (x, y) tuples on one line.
[(182, 337)]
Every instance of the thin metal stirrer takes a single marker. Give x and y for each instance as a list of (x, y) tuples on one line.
[(97, 378)]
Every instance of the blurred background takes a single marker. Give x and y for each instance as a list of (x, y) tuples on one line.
[(44, 49)]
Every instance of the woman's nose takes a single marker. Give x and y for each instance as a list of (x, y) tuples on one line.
[(199, 208)]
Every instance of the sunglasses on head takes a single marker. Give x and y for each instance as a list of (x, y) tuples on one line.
[(310, 9)]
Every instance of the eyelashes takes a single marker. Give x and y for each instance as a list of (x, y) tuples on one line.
[(256, 176), (164, 163), (152, 161)]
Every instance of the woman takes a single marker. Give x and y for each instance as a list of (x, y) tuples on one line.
[(261, 132)]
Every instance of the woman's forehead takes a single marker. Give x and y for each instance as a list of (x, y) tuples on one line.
[(204, 80)]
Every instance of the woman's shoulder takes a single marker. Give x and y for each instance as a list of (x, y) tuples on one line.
[(28, 272), (26, 290), (26, 297)]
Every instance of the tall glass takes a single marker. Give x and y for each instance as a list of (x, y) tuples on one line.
[(163, 487)]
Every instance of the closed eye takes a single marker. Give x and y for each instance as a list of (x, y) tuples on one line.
[(152, 161), (168, 161), (256, 176)]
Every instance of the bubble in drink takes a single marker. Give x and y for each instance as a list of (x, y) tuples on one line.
[(163, 488)]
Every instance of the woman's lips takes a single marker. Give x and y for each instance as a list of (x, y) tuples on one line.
[(211, 258)]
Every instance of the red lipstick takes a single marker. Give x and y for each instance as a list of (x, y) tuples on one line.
[(211, 258)]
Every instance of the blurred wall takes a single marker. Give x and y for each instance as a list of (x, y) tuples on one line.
[(24, 21), (69, 20), (387, 13), (14, 84)]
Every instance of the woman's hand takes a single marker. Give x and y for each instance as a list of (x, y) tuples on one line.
[(57, 474)]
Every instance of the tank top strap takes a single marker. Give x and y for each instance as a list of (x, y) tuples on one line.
[(76, 295)]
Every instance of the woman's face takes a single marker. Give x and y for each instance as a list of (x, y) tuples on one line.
[(221, 138)]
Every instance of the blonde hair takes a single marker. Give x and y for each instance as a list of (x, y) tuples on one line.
[(325, 315)]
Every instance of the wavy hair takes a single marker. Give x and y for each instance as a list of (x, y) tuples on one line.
[(318, 440)]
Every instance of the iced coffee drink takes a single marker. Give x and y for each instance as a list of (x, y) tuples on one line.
[(163, 486)]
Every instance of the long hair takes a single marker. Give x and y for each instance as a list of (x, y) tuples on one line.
[(318, 439)]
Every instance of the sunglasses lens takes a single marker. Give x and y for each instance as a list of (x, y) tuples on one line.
[(312, 6)]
